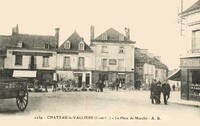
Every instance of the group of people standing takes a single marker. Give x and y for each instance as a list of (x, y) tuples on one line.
[(99, 86), (111, 85), (156, 89)]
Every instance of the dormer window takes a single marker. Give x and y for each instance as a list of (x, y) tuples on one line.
[(81, 45), (20, 44), (121, 50), (67, 45), (104, 37), (121, 37), (47, 46)]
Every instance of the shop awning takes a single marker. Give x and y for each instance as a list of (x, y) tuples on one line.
[(176, 76), (24, 73)]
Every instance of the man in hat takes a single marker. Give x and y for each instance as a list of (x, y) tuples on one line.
[(153, 91), (166, 91)]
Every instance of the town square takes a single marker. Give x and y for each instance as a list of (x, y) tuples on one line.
[(103, 61)]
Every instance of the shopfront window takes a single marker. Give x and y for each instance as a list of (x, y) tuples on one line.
[(196, 77), (194, 84)]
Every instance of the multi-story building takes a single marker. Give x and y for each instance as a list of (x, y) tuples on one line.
[(147, 68), (74, 61), (190, 63), (25, 55), (110, 57), (113, 57)]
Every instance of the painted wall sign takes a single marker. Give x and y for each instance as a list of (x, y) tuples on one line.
[(112, 62), (193, 62)]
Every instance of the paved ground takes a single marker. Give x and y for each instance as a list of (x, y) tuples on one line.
[(107, 105)]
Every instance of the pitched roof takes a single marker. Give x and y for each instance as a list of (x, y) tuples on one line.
[(112, 36), (29, 41), (34, 41), (5, 41), (144, 58), (194, 7), (74, 39)]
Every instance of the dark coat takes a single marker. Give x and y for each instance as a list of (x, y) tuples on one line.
[(158, 90), (152, 91), (166, 88)]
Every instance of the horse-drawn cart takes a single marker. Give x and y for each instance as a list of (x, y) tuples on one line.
[(15, 88)]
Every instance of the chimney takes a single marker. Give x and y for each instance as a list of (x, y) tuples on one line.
[(158, 58), (57, 36), (127, 31), (150, 55), (15, 30), (91, 32), (144, 51)]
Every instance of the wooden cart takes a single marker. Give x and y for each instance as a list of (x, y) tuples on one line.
[(15, 88)]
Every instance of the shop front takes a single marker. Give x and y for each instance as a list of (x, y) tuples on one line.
[(190, 78), (125, 79), (83, 79)]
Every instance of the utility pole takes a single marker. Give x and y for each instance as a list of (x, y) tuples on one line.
[(181, 31)]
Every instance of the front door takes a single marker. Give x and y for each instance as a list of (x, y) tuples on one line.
[(80, 78), (87, 79)]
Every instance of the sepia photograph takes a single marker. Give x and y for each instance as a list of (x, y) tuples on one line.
[(99, 62)]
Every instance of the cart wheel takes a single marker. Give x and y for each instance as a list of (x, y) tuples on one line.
[(22, 102)]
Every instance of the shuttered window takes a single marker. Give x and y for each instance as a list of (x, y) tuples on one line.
[(18, 59)]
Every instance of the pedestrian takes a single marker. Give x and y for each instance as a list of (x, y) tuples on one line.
[(166, 91), (45, 83), (158, 92), (173, 87), (97, 86), (152, 91), (117, 86), (120, 84), (113, 85), (55, 85), (101, 86), (178, 88)]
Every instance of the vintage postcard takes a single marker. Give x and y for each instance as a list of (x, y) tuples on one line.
[(99, 62)]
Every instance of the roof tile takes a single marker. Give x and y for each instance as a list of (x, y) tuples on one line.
[(74, 39), (112, 36)]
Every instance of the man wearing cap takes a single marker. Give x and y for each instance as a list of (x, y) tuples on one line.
[(166, 91)]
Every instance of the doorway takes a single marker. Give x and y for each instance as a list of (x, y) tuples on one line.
[(80, 78)]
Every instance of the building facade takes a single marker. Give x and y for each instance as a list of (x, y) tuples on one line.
[(109, 57), (147, 68), (74, 61), (25, 54), (113, 57), (190, 63)]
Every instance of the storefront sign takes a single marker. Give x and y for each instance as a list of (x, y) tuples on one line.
[(191, 62), (112, 61), (32, 53)]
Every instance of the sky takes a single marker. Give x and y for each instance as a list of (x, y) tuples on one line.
[(153, 23)]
